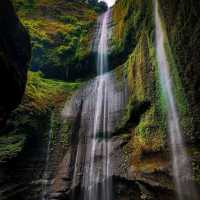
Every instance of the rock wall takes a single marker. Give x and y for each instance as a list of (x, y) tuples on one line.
[(140, 155), (15, 51), (147, 151), (127, 184), (22, 177), (32, 143), (182, 23)]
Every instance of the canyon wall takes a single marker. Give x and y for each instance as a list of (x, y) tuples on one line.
[(15, 53)]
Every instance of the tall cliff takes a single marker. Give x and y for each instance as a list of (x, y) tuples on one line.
[(182, 26), (133, 46), (38, 148), (25, 137)]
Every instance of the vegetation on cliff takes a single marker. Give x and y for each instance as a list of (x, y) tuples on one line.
[(32, 117), (145, 116), (61, 33), (182, 25)]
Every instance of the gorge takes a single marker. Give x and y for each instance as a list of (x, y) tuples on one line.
[(111, 107)]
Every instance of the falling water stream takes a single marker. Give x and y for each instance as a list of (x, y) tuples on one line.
[(101, 122), (98, 106), (180, 160), (45, 177)]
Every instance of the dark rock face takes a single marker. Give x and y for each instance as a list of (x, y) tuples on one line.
[(21, 178), (28, 176), (15, 51), (182, 22)]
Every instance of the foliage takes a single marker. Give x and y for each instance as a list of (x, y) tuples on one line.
[(134, 21), (11, 145), (61, 33), (128, 26), (33, 115), (145, 116)]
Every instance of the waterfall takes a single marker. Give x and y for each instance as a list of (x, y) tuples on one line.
[(101, 123), (97, 108), (180, 160)]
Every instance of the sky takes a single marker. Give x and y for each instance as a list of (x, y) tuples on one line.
[(109, 2)]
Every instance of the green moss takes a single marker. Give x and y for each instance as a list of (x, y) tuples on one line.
[(32, 117), (178, 91), (151, 129), (41, 92), (60, 129), (181, 23), (11, 145), (61, 38), (68, 19), (128, 26), (145, 115)]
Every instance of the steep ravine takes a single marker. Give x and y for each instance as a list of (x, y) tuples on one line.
[(143, 165), (60, 123)]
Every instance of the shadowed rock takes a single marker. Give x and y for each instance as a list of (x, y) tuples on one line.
[(15, 52)]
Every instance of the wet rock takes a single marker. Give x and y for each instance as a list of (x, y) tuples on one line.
[(125, 189)]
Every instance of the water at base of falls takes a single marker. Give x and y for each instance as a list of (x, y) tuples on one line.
[(100, 105), (180, 160)]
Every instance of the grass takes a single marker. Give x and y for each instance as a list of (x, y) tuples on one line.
[(41, 92)]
